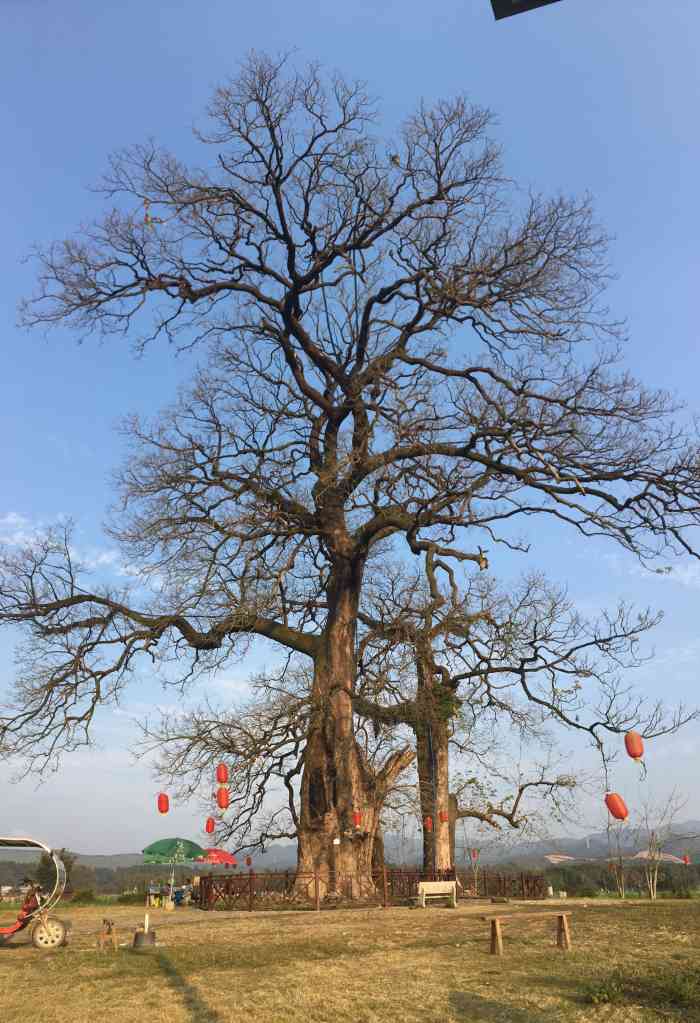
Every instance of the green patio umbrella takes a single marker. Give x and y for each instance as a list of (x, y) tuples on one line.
[(172, 851)]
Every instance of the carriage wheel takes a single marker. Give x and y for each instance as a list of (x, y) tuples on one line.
[(48, 933)]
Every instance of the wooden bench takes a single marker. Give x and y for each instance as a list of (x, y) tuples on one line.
[(563, 933), (437, 890)]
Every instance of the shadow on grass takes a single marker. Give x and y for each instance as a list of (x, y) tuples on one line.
[(471, 1007), (193, 1002)]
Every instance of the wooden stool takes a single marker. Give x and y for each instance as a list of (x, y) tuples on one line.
[(563, 932)]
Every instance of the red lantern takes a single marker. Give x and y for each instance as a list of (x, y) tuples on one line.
[(248, 861), (444, 816), (686, 860), (222, 774), (616, 805), (428, 822), (210, 825), (163, 803), (475, 855), (357, 818), (222, 798), (634, 745)]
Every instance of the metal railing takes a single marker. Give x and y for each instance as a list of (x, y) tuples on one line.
[(290, 889)]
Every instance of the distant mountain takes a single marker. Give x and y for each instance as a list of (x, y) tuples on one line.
[(111, 862), (283, 855), (595, 846)]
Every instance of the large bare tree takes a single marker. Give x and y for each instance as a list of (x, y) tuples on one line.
[(404, 350)]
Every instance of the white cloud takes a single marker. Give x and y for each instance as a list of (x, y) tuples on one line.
[(229, 684), (140, 709), (16, 529), (100, 559), (685, 573)]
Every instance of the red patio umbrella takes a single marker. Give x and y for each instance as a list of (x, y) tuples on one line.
[(216, 857)]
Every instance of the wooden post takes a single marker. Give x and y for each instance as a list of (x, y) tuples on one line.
[(317, 890), (386, 887), (563, 935), (250, 890), (496, 938)]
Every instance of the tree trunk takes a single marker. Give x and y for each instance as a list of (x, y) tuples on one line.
[(453, 811), (432, 742), (336, 782), (378, 852)]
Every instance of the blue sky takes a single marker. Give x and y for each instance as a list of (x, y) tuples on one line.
[(588, 96)]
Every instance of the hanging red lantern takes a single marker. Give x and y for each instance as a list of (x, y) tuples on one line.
[(634, 745), (686, 860), (357, 818), (428, 822), (210, 825), (616, 805), (248, 861), (475, 855), (222, 798), (444, 816), (222, 774), (163, 803)]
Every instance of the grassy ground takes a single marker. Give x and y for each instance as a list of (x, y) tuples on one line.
[(635, 963)]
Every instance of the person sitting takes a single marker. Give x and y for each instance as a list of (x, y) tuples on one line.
[(153, 894), (32, 901)]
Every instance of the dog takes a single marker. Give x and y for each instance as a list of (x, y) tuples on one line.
[(107, 936)]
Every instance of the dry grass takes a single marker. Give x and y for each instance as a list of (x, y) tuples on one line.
[(375, 966)]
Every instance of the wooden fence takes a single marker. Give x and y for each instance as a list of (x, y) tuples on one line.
[(388, 887)]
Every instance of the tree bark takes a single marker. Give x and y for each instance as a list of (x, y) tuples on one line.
[(378, 852), (453, 809), (432, 749), (336, 781)]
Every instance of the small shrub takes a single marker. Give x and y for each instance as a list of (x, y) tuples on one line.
[(585, 892), (84, 897), (131, 899), (663, 990), (606, 992), (680, 989)]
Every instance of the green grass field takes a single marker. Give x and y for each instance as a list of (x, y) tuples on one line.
[(634, 962)]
